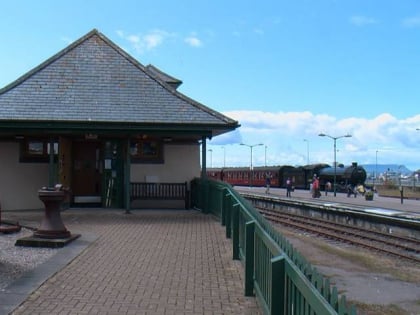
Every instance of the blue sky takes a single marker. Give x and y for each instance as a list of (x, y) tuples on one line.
[(286, 70)]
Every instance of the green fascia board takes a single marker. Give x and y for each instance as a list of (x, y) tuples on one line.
[(106, 127)]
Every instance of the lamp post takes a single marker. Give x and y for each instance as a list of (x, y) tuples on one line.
[(265, 156), (251, 146), (224, 156), (211, 157), (376, 169), (335, 156), (307, 151)]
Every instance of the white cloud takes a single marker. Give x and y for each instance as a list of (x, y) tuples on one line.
[(193, 41), (360, 20), (283, 134), (148, 41), (411, 21), (155, 38)]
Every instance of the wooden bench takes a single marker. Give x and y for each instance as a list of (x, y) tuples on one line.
[(159, 191)]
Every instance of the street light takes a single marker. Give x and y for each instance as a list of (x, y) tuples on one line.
[(211, 157), (265, 156), (376, 169), (224, 156), (335, 156), (307, 151), (251, 146)]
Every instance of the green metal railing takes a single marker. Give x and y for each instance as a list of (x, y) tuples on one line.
[(281, 278)]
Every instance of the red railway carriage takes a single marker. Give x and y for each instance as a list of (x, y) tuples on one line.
[(239, 176), (215, 173), (301, 176)]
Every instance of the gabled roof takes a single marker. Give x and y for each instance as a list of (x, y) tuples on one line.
[(94, 80)]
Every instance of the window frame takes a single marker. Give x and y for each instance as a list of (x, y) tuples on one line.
[(146, 151), (42, 155)]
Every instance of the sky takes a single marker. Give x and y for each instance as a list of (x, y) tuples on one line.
[(285, 70)]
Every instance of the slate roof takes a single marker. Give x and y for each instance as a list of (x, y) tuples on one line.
[(95, 80)]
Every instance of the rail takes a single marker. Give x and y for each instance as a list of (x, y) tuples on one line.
[(159, 191), (277, 274)]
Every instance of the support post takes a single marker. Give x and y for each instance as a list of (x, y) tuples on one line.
[(203, 158), (278, 266), (127, 171), (249, 258), (235, 231), (51, 164), (228, 214)]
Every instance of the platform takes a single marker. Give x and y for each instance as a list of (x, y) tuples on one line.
[(148, 262)]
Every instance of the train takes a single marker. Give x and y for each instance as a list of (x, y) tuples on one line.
[(301, 176)]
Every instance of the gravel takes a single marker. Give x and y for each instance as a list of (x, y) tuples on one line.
[(17, 260)]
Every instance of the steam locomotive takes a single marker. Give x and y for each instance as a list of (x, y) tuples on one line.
[(301, 176)]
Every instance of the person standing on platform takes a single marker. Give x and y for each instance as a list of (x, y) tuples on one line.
[(315, 186), (327, 187), (267, 182), (288, 187)]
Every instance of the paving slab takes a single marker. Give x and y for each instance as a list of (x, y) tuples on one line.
[(147, 262)]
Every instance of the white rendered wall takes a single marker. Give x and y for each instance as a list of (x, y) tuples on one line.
[(181, 164), (20, 182)]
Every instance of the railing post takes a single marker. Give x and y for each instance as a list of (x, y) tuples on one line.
[(235, 231), (228, 214), (205, 205), (224, 206), (249, 258), (277, 285)]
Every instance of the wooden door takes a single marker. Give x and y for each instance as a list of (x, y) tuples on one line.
[(86, 177)]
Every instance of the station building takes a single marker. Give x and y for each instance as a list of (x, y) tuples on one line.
[(94, 119)]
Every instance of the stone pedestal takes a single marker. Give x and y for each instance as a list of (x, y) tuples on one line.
[(52, 226), (52, 232)]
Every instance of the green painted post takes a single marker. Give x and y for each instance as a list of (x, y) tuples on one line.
[(235, 231), (224, 206), (206, 197), (278, 265), (51, 164), (229, 217), (249, 258), (127, 171)]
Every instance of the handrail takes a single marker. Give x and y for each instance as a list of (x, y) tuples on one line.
[(280, 277)]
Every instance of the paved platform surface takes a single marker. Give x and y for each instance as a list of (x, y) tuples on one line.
[(158, 262)]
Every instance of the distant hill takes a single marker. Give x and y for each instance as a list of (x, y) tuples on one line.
[(382, 168)]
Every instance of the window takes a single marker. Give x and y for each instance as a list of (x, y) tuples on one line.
[(146, 151), (37, 150)]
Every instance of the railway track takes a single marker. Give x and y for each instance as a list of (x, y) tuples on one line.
[(394, 245)]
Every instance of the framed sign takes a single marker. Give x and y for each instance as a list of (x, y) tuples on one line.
[(146, 151)]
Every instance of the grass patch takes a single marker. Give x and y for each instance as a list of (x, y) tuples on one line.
[(403, 271), (387, 191), (369, 309)]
